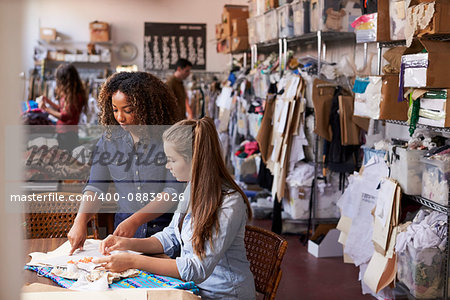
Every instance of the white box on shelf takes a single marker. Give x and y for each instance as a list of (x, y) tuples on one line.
[(70, 57), (329, 247), (416, 68), (285, 21), (94, 58), (259, 29), (270, 25), (82, 57), (298, 12)]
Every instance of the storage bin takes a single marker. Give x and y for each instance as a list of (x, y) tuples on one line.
[(283, 2), (397, 13), (260, 7), (406, 168), (260, 29), (270, 25), (436, 174), (285, 21), (297, 205), (421, 271), (298, 13), (246, 169), (252, 36), (370, 152), (334, 15)]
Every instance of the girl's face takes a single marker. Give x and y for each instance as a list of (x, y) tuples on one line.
[(176, 164), (123, 111)]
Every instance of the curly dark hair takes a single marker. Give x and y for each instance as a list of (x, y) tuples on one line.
[(151, 99)]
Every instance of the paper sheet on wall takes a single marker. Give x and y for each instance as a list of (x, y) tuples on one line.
[(292, 89), (359, 244), (281, 124), (385, 201), (279, 105), (382, 227), (380, 272)]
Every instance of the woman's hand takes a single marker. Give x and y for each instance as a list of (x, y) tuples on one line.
[(77, 236), (117, 262), (112, 243), (42, 106), (127, 228)]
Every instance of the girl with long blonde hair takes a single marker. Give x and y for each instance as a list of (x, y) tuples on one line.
[(208, 227)]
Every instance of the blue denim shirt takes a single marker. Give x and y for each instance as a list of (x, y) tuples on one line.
[(224, 272), (137, 171)]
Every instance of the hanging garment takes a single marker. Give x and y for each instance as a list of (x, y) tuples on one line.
[(339, 158)]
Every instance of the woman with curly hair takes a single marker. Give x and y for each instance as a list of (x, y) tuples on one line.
[(130, 154), (208, 228), (72, 98)]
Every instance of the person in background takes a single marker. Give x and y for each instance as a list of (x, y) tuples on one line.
[(208, 226), (130, 155), (72, 99), (175, 83)]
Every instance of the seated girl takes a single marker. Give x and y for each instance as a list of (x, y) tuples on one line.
[(208, 227)]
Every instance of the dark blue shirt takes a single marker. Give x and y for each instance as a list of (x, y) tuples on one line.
[(137, 171)]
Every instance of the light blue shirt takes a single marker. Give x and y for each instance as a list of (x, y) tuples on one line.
[(224, 272)]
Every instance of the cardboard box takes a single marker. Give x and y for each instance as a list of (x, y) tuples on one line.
[(390, 108), (231, 12), (99, 31), (224, 45), (239, 27), (239, 43), (325, 17), (219, 31), (271, 4), (427, 69), (439, 24), (48, 34), (383, 21)]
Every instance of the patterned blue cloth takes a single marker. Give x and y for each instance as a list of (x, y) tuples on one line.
[(143, 280)]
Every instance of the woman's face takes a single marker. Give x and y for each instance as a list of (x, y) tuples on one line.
[(176, 164), (123, 111)]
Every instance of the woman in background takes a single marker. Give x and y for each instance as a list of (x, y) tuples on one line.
[(72, 99)]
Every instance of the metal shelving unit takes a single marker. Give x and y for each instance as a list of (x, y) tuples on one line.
[(435, 129), (319, 38)]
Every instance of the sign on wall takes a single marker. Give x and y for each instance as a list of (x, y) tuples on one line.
[(165, 43)]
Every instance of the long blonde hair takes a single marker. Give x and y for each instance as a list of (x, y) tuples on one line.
[(209, 174)]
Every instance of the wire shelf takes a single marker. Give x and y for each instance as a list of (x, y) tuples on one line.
[(430, 204), (435, 129), (388, 44)]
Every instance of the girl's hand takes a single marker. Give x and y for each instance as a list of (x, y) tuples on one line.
[(112, 243), (42, 105), (117, 262), (77, 236), (127, 228)]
